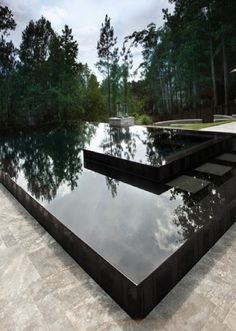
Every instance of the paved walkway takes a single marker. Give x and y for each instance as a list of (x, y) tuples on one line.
[(229, 127), (42, 288)]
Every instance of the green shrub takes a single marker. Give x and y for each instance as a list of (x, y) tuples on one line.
[(144, 120)]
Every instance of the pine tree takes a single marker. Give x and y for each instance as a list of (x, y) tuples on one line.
[(107, 53), (70, 48), (7, 62), (7, 21), (63, 70), (127, 65), (34, 48)]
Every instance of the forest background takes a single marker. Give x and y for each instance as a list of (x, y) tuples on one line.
[(186, 66)]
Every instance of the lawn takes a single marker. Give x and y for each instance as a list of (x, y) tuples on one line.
[(198, 126)]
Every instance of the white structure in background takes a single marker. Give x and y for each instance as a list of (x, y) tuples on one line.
[(122, 119)]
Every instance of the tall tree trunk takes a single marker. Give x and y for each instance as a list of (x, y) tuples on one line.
[(170, 89), (8, 102), (194, 94), (213, 75), (194, 89), (109, 88), (126, 91), (180, 93), (162, 90), (166, 97), (225, 70)]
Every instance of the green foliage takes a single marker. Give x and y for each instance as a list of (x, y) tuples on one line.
[(34, 48), (144, 120), (62, 72), (7, 61), (107, 41), (127, 65), (7, 21), (108, 63), (185, 60), (7, 57), (186, 65), (69, 48), (93, 100), (46, 84)]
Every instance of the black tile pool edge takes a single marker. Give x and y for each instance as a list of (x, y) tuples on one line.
[(142, 183), (136, 300), (175, 165)]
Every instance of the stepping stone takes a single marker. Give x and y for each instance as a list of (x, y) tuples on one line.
[(214, 169), (188, 184), (227, 157)]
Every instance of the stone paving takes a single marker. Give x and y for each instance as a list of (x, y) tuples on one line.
[(42, 288), (228, 127)]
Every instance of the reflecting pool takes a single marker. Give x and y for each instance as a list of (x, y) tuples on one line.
[(131, 227)]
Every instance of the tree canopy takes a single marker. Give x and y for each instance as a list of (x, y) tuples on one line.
[(185, 66)]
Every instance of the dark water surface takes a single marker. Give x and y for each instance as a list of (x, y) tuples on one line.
[(131, 228)]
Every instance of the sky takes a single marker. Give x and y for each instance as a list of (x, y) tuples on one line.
[(85, 18)]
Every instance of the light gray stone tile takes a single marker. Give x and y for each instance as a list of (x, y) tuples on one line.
[(20, 313), (16, 272), (63, 285), (213, 325), (221, 310), (50, 260), (31, 237), (53, 314), (193, 314), (8, 237), (230, 319)]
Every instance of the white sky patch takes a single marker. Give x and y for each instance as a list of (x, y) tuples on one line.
[(63, 190), (87, 38), (56, 15), (167, 236), (23, 10)]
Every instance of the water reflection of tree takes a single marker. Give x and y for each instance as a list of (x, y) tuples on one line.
[(195, 211), (9, 157), (159, 144), (119, 142), (47, 159), (122, 143), (112, 185)]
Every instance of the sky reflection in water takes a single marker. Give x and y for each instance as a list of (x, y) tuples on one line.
[(133, 229)]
